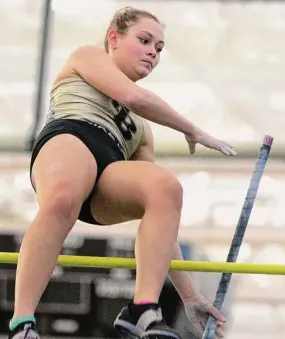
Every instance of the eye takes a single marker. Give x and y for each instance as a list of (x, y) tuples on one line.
[(144, 41), (159, 49)]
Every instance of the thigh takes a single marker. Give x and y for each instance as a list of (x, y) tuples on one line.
[(124, 189), (64, 169)]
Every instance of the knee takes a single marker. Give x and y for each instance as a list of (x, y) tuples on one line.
[(166, 192), (62, 206)]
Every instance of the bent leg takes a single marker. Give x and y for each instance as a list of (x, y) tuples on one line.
[(130, 189), (113, 212), (63, 175)]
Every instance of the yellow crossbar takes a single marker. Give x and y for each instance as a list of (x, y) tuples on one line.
[(178, 265)]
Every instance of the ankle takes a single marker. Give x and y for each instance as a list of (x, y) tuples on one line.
[(141, 298), (17, 320), (144, 302), (136, 310)]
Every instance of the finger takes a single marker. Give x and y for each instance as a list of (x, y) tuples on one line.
[(220, 333), (221, 148), (216, 314), (231, 150), (226, 144), (192, 147), (220, 323), (224, 151), (228, 151)]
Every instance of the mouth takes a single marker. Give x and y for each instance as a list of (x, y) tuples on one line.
[(148, 63)]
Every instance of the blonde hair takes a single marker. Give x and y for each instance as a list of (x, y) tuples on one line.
[(123, 18)]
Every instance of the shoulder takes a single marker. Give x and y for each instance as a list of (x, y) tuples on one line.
[(97, 68), (80, 57), (86, 51), (86, 56)]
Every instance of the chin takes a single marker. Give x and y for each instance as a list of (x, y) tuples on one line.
[(143, 73), (139, 73), (142, 76)]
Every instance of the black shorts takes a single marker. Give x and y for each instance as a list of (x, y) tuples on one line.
[(101, 143)]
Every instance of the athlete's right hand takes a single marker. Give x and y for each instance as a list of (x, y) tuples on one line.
[(198, 309), (206, 140)]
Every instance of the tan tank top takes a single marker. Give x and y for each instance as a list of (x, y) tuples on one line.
[(74, 98)]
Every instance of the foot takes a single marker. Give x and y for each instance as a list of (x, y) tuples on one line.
[(24, 331), (143, 322)]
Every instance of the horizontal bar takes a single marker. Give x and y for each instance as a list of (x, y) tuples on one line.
[(176, 265)]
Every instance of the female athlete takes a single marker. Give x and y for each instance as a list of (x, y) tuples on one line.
[(94, 161)]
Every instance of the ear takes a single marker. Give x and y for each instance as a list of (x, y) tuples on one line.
[(113, 38)]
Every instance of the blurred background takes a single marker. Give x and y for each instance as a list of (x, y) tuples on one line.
[(223, 68)]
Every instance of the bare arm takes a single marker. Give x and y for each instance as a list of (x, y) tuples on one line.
[(182, 281), (97, 68), (146, 150)]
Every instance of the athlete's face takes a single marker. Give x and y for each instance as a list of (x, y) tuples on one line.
[(137, 52)]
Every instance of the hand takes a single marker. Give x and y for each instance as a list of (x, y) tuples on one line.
[(210, 142), (198, 310)]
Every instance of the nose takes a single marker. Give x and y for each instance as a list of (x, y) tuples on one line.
[(152, 53)]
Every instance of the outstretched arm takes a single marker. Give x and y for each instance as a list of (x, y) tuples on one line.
[(97, 68)]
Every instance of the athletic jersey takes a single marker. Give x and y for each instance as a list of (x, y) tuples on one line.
[(74, 98)]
